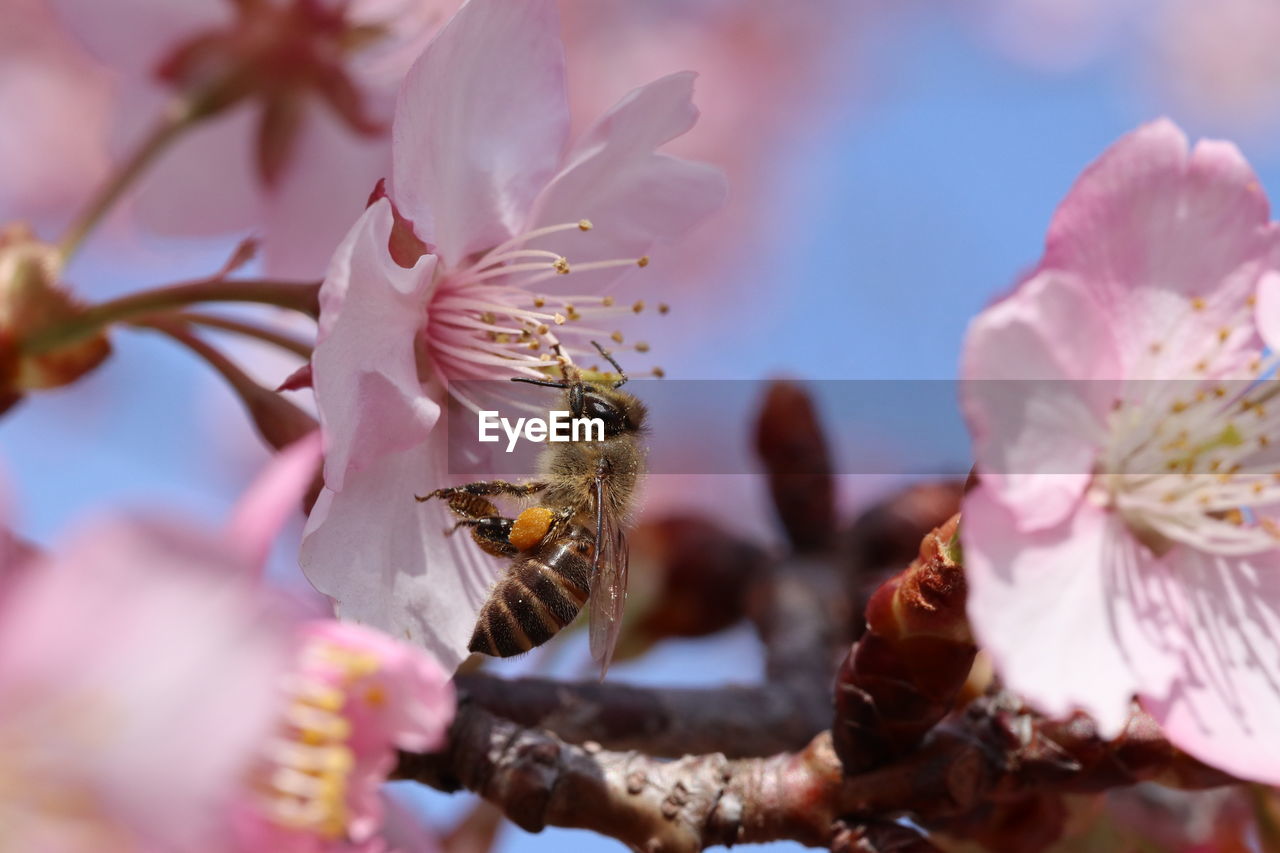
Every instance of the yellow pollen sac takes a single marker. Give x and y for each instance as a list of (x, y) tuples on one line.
[(607, 302), (530, 526), (375, 696), (616, 337), (642, 261), (659, 372), (558, 319), (663, 308), (543, 328), (1197, 304), (641, 346), (1223, 334), (585, 225), (639, 306), (561, 265), (544, 357), (539, 301)]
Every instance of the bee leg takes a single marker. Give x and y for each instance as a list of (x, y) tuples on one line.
[(491, 534), (483, 488)]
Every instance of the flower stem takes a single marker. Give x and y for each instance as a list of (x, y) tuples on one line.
[(297, 296), (179, 116), (241, 327)]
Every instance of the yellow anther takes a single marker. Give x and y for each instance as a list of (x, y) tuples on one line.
[(1156, 347), (1223, 334), (539, 301), (641, 346), (659, 372), (544, 357), (663, 308), (642, 261), (1197, 304), (585, 225), (639, 306), (616, 337), (543, 328), (607, 302), (561, 265), (558, 319), (375, 696)]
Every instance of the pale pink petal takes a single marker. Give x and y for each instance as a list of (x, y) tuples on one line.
[(1224, 707), (1034, 395), (277, 493), (54, 103), (1268, 310), (364, 367), (480, 125), (632, 195), (385, 558), (134, 36), (325, 186), (137, 650), (1171, 244), (207, 183), (1055, 609)]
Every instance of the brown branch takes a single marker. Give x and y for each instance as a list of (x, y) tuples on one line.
[(995, 751)]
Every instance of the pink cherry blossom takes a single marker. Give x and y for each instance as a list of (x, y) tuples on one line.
[(508, 211), (296, 160), (354, 697), (53, 107), (155, 695), (1121, 543)]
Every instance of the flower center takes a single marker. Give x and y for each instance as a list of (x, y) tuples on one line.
[(1193, 461), (491, 313), (310, 762)]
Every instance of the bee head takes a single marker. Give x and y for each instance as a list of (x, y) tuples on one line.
[(619, 411)]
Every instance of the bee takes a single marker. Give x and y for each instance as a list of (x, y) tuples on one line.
[(570, 547)]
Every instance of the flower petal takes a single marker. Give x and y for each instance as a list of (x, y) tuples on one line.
[(386, 560), (111, 30), (1223, 709), (364, 367), (632, 195), (263, 509), (480, 124), (324, 187), (1171, 245), (1056, 609), (1035, 396)]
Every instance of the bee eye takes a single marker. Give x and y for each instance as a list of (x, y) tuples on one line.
[(596, 407)]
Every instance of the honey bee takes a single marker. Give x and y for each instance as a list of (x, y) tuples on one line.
[(570, 547)]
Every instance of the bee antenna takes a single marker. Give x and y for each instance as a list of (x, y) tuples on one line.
[(546, 383), (609, 356)]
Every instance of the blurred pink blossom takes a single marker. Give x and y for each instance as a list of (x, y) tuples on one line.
[(53, 107), (1219, 59), (296, 158), (155, 695), (481, 174), (1121, 541)]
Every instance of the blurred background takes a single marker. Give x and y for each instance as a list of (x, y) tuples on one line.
[(893, 167)]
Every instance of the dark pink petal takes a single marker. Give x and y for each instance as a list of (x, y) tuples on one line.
[(632, 195), (364, 366), (1035, 395), (480, 125), (275, 495), (1224, 706), (1058, 609), (133, 36), (323, 189)]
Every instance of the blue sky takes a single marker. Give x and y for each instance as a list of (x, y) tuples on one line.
[(918, 195)]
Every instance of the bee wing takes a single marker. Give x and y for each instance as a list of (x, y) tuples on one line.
[(608, 581)]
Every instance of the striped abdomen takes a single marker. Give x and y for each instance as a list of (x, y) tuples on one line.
[(540, 594)]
